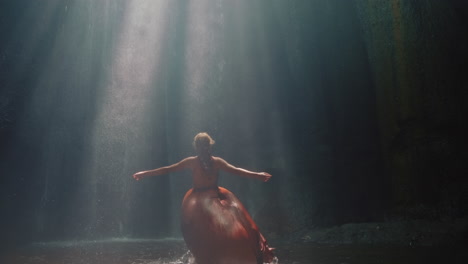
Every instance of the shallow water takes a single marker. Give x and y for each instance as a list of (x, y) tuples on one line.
[(174, 251)]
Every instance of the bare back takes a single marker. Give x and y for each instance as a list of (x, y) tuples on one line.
[(204, 178)]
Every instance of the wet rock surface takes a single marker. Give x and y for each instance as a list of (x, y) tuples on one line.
[(401, 233)]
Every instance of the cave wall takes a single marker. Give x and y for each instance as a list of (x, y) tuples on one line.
[(417, 52), (383, 129), (370, 94)]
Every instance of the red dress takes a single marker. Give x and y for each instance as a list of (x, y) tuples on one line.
[(219, 230)]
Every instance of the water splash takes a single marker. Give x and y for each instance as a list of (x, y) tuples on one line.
[(187, 258), (275, 261)]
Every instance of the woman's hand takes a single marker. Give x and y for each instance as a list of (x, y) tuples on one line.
[(139, 175), (264, 176)]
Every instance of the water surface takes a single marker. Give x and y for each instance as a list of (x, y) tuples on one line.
[(174, 251)]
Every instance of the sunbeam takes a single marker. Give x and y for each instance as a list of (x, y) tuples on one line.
[(125, 118)]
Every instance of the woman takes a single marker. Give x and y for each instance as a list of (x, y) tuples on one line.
[(216, 226)]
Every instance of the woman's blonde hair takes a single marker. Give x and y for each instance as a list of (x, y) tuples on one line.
[(202, 143)]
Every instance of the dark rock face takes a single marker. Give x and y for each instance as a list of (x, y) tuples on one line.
[(417, 53)]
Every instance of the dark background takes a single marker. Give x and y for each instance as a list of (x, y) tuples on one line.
[(357, 108)]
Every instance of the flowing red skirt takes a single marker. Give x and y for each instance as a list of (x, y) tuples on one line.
[(219, 230)]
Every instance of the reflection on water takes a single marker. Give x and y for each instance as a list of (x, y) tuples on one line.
[(115, 251), (174, 251)]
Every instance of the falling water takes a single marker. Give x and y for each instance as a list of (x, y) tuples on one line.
[(123, 86)]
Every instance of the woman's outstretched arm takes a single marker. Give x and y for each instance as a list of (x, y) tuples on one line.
[(183, 164), (224, 165)]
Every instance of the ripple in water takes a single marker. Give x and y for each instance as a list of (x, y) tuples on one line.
[(111, 251)]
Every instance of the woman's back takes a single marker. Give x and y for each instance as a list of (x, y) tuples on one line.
[(204, 175)]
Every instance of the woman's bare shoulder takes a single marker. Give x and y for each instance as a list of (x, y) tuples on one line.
[(219, 162), (190, 159), (217, 159)]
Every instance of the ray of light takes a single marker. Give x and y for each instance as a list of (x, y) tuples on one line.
[(124, 120)]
